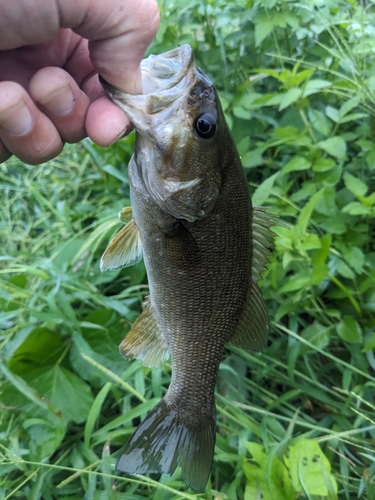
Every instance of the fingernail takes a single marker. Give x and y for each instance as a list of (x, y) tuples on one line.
[(17, 120), (120, 136), (60, 103)]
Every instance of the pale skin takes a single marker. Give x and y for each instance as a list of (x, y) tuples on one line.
[(51, 52)]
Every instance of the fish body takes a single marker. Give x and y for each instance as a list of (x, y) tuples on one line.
[(204, 247)]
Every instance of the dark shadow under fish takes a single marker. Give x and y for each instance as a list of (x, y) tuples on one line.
[(204, 247)]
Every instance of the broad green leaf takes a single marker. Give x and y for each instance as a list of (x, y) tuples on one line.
[(29, 391), (355, 185), (334, 146), (309, 468), (263, 191), (323, 164), (42, 347), (263, 27), (349, 330), (349, 105), (356, 208), (296, 163), (317, 334), (268, 478), (326, 203), (353, 117), (297, 282), (310, 242), (344, 269), (65, 390), (44, 437), (333, 114), (295, 79), (253, 158), (355, 258), (289, 97), (319, 122), (242, 113), (320, 272), (315, 85), (306, 212)]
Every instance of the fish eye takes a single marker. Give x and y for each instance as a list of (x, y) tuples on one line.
[(205, 126)]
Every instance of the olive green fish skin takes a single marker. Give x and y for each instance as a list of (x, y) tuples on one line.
[(191, 205), (198, 275)]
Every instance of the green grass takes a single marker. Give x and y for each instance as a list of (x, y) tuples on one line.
[(295, 421)]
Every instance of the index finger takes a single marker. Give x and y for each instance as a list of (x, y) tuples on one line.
[(119, 31)]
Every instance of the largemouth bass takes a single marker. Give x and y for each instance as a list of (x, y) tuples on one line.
[(204, 247)]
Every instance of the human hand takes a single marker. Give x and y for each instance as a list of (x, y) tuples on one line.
[(51, 52)]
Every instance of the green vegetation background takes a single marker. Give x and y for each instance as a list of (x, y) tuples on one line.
[(297, 81)]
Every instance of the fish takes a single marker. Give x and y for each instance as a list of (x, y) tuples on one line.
[(204, 248)]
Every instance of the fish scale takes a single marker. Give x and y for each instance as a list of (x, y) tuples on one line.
[(192, 217)]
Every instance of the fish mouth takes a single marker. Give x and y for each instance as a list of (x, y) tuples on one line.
[(167, 70), (165, 78)]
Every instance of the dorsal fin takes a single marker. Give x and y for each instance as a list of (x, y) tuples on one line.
[(252, 328), (125, 249), (261, 240)]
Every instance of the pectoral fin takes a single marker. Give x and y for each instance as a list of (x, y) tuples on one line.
[(125, 215), (125, 249), (145, 340)]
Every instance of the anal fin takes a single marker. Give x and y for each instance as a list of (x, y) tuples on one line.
[(145, 340)]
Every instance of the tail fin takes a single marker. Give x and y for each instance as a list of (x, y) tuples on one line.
[(163, 441)]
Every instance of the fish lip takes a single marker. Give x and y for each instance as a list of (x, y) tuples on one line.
[(166, 70), (160, 74)]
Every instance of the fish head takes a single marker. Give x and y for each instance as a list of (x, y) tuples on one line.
[(181, 133)]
